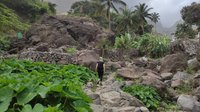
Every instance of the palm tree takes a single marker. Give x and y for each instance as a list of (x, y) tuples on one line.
[(125, 21), (108, 5), (142, 12), (155, 18)]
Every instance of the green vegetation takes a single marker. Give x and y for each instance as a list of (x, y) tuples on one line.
[(124, 41), (185, 30), (4, 43), (37, 86), (30, 9), (146, 94), (154, 46), (119, 21), (9, 21), (190, 14)]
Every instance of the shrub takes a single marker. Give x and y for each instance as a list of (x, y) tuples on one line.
[(4, 43), (146, 94), (123, 41), (9, 21), (31, 9), (153, 45)]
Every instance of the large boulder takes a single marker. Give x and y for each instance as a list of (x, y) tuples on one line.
[(173, 63), (66, 30), (156, 83), (188, 103), (188, 46), (87, 58), (194, 64), (179, 79), (130, 73)]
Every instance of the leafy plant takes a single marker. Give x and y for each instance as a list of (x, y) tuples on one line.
[(9, 21), (31, 9), (146, 94), (28, 86), (123, 41), (153, 45)]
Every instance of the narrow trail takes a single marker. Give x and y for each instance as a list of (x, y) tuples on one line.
[(110, 98)]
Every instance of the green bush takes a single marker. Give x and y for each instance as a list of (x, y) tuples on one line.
[(26, 86), (153, 45), (123, 41), (4, 43), (9, 21), (146, 94), (185, 31), (31, 9)]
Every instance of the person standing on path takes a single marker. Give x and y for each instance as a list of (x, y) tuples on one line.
[(100, 68)]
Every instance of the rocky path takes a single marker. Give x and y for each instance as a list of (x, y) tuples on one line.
[(110, 98)]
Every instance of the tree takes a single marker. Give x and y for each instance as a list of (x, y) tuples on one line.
[(191, 14), (142, 12), (126, 21), (155, 18), (184, 30), (108, 5)]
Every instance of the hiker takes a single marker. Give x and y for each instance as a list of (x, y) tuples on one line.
[(100, 68)]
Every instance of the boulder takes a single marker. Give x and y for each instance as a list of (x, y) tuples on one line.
[(166, 76), (180, 76), (174, 62), (188, 46), (88, 58), (198, 54), (179, 79), (67, 30), (96, 98), (130, 73), (196, 80), (188, 103), (111, 99), (128, 100), (156, 83), (194, 64), (113, 66), (197, 92)]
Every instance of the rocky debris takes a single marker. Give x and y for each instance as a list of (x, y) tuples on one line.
[(188, 103), (188, 46), (194, 64), (121, 54), (174, 62), (48, 57), (62, 30), (113, 99)]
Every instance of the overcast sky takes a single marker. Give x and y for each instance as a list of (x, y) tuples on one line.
[(169, 10)]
